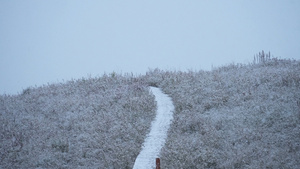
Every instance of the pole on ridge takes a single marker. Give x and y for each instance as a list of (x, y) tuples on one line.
[(157, 163)]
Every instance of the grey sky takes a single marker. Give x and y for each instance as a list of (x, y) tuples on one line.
[(51, 40)]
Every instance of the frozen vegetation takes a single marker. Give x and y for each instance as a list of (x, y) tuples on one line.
[(87, 123), (235, 116)]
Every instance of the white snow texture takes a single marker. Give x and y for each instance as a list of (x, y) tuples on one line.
[(158, 133)]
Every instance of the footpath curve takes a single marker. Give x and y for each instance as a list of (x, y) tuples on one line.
[(156, 139)]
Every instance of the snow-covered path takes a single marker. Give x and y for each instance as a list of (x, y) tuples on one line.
[(158, 134)]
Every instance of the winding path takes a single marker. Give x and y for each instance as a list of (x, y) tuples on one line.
[(158, 134)]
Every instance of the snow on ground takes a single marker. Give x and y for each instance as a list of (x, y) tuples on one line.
[(158, 134)]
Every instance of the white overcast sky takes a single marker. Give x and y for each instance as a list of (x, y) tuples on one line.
[(48, 41)]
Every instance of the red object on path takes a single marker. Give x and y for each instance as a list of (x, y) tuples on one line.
[(157, 163)]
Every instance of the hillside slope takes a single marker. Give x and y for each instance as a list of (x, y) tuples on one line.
[(236, 116), (87, 123)]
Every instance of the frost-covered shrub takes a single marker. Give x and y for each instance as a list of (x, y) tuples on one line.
[(85, 123)]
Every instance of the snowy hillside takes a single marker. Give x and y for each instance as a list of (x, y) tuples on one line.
[(87, 123), (235, 116)]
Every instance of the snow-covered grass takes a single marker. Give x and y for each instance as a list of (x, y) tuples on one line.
[(235, 116), (87, 123)]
